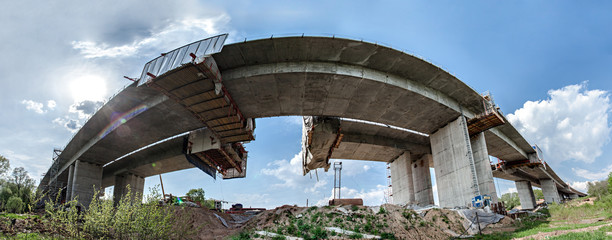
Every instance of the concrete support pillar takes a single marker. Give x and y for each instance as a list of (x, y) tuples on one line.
[(525, 192), (135, 183), (573, 196), (549, 189), (401, 180), (483, 166), (69, 183), (423, 192), (458, 172), (87, 177)]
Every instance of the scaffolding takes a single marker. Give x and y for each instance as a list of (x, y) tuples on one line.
[(389, 191)]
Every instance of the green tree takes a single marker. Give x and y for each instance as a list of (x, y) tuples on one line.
[(14, 205), (196, 195), (610, 182), (598, 189), (4, 166), (538, 194), (510, 200)]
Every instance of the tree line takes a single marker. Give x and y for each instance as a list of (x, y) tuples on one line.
[(17, 189)]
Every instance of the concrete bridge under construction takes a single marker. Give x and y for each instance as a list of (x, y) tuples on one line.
[(195, 106)]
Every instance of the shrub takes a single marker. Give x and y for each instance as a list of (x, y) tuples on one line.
[(14, 205)]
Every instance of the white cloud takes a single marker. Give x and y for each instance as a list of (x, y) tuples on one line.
[(254, 200), (571, 125), (290, 175), (51, 104), (371, 197), (85, 108), (71, 125), (352, 167), (602, 174), (163, 40), (580, 186), (34, 106)]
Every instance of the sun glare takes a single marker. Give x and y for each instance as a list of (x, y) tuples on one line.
[(88, 87)]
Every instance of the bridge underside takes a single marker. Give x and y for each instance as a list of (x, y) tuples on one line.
[(299, 76)]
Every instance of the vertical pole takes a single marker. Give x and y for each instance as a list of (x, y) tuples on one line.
[(340, 181), (478, 222), (162, 185)]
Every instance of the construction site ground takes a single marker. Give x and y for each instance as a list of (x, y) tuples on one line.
[(338, 222)]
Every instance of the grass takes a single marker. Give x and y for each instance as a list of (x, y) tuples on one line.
[(530, 227)]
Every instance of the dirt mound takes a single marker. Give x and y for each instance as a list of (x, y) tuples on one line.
[(389, 221), (205, 224)]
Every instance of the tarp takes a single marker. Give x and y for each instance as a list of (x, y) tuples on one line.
[(484, 219), (182, 55)]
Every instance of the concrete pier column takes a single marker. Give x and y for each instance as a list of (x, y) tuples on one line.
[(573, 196), (549, 189), (483, 166), (135, 183), (423, 192), (456, 174), (69, 183), (86, 178), (525, 193), (401, 180)]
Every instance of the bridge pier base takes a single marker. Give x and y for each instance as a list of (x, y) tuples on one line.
[(87, 178), (573, 196), (125, 182), (461, 164), (423, 192), (549, 189), (402, 180), (525, 192)]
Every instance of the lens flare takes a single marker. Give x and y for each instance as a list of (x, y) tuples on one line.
[(121, 119)]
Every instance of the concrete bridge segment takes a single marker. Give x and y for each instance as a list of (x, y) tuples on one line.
[(311, 76)]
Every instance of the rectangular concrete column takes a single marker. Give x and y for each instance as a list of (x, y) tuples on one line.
[(573, 196), (69, 183), (483, 166), (86, 178), (453, 163), (525, 193), (401, 180), (423, 192), (549, 189), (135, 183)]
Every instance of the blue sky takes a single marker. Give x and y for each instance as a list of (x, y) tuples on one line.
[(547, 66)]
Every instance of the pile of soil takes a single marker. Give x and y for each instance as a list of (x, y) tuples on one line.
[(400, 222)]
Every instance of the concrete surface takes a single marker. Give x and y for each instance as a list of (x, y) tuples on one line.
[(87, 178), (483, 166), (454, 174), (128, 182), (525, 192), (421, 178), (549, 189), (314, 76), (402, 180)]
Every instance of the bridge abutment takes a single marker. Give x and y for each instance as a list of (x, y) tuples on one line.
[(549, 189), (423, 192), (525, 193), (87, 177), (136, 187), (461, 165), (402, 180)]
